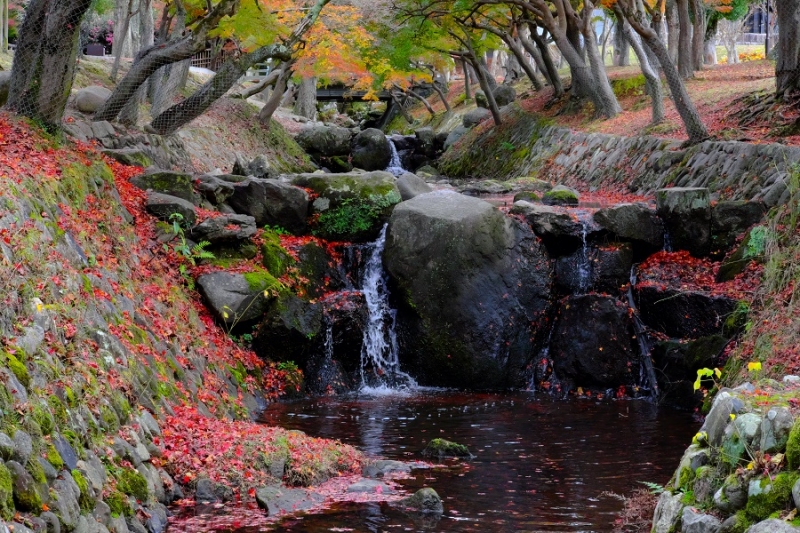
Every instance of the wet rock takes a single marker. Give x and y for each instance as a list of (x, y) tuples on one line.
[(693, 521), (236, 299), (371, 150), (425, 500), (561, 232), (677, 363), (527, 196), (352, 206), (224, 229), (411, 185), (280, 500), (208, 491), (561, 195), (591, 343), (729, 219), (290, 330), (683, 314), (686, 212), (369, 486), (472, 281), (603, 269), (167, 182), (383, 467), (633, 222), (477, 188), (156, 521), (164, 206), (445, 449), (474, 117), (272, 202)]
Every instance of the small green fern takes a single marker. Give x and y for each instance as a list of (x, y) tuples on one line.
[(654, 488)]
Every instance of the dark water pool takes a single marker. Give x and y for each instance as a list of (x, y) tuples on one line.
[(542, 465)]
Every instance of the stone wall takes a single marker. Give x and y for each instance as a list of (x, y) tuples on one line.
[(526, 145)]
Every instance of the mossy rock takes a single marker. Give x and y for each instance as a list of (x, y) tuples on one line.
[(119, 504), (775, 496), (793, 447), (53, 457), (6, 494), (275, 258), (561, 195), (527, 196), (133, 484), (41, 414), (260, 281), (445, 449), (86, 500), (18, 368)]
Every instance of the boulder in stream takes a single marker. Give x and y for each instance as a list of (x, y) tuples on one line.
[(686, 212), (445, 449), (371, 150), (472, 282), (271, 202)]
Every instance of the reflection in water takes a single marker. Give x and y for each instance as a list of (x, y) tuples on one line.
[(541, 466)]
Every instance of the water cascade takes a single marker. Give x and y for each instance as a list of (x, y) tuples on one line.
[(641, 337), (395, 165), (584, 267), (380, 364)]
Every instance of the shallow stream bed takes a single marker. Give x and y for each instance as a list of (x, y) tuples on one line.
[(541, 465)]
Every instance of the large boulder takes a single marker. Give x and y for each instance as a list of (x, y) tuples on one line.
[(683, 314), (561, 195), (561, 232), (504, 95), (237, 299), (602, 268), (729, 219), (411, 185), (278, 500), (475, 116), (215, 189), (224, 229), (165, 206), (633, 222), (352, 206), (167, 182), (472, 282), (90, 99), (371, 150), (591, 344), (271, 202), (686, 212), (324, 141)]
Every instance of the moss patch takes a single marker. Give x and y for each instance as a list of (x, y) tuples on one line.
[(85, 499), (53, 457), (119, 504), (19, 369), (776, 496), (133, 483), (261, 281), (793, 447), (275, 257), (442, 449), (6, 493)]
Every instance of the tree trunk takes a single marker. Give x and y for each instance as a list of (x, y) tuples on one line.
[(306, 105), (550, 67), (45, 59), (609, 106), (467, 81), (652, 80), (130, 112), (416, 96), (673, 30), (698, 33), (176, 116), (710, 53), (124, 13), (685, 64), (622, 54), (487, 75), (483, 78), (441, 94), (166, 81), (401, 109), (516, 49), (787, 69), (274, 102), (4, 32), (695, 128), (269, 81)]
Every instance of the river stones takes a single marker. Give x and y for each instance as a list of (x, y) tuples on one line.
[(271, 202), (445, 449), (371, 150), (471, 284), (425, 500), (686, 212)]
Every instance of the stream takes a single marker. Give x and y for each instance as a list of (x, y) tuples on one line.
[(541, 465)]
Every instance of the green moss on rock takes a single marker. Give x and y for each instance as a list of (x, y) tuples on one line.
[(275, 258), (18, 368), (775, 496), (793, 447), (119, 504), (443, 449), (36, 471), (261, 281), (41, 414), (133, 483), (85, 500), (560, 197), (53, 457), (6, 493)]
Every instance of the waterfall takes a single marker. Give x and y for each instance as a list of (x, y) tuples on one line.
[(641, 337), (380, 364), (584, 268), (395, 165)]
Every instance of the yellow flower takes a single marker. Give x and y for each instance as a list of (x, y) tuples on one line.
[(754, 366)]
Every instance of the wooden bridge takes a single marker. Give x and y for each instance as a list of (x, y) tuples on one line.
[(340, 93)]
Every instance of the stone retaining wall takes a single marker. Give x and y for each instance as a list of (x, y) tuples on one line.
[(526, 145)]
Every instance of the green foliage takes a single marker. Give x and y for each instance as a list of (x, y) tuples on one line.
[(17, 367), (634, 86), (42, 416), (757, 243), (53, 457), (192, 254), (793, 447), (654, 488), (707, 373), (353, 216), (34, 468)]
